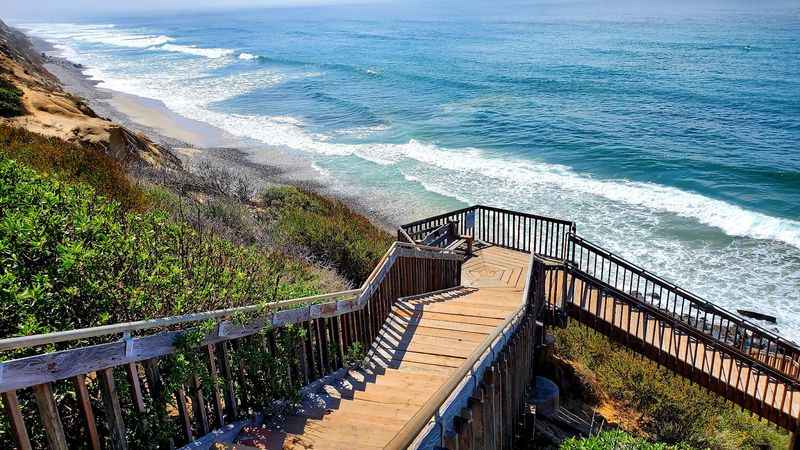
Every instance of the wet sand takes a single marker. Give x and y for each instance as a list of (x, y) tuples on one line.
[(194, 141)]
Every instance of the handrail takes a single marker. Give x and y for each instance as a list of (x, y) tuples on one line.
[(524, 214), (408, 434), (682, 327), (21, 342), (125, 327), (440, 216), (693, 298)]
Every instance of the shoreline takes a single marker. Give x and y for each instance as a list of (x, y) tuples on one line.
[(193, 141)]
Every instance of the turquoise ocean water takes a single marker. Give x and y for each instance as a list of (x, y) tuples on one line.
[(671, 136)]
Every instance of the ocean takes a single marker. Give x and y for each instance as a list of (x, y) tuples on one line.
[(672, 137)]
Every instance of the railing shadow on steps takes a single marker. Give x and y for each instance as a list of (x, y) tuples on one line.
[(333, 322)]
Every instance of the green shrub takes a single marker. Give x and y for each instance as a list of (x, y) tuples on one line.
[(70, 258), (669, 408), (10, 99), (328, 229), (616, 440), (72, 163)]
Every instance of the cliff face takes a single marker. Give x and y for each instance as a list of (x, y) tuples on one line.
[(52, 112)]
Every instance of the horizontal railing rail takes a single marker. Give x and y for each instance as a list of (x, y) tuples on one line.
[(331, 324), (671, 342), (22, 342), (524, 232), (701, 314)]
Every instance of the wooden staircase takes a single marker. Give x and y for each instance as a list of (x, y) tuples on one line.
[(422, 343)]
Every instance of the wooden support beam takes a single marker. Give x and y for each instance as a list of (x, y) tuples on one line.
[(50, 418), (183, 415), (216, 404), (18, 429), (477, 406), (113, 410), (231, 409), (85, 405), (199, 406), (132, 371)]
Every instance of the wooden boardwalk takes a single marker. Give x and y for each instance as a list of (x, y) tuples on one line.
[(424, 341)]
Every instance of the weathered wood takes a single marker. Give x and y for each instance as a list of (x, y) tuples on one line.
[(231, 409), (14, 414), (199, 406), (183, 414), (113, 410), (463, 423), (476, 405), (48, 411), (85, 405), (49, 367), (216, 405), (136, 387), (120, 328)]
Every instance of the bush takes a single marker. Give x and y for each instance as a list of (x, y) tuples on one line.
[(10, 100), (616, 440), (70, 258), (328, 229), (71, 163), (668, 407)]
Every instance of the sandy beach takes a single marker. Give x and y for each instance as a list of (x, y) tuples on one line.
[(194, 141)]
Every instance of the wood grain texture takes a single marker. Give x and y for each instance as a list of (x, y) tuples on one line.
[(48, 412), (113, 409), (85, 405), (17, 423)]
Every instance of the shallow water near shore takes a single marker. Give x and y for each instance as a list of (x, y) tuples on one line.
[(672, 141)]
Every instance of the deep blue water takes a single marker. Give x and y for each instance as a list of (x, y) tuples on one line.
[(670, 136)]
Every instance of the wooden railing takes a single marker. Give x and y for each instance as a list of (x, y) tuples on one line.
[(743, 362), (332, 323), (667, 339), (724, 326), (523, 232)]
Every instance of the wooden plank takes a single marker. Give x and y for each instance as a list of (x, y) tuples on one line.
[(231, 408), (48, 412), (216, 404), (14, 414), (199, 406), (85, 405), (113, 410), (136, 386), (183, 414)]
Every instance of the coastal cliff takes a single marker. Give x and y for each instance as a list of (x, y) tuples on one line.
[(50, 111)]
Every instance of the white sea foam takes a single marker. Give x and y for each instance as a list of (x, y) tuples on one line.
[(211, 53), (247, 56), (110, 35), (288, 132), (633, 218)]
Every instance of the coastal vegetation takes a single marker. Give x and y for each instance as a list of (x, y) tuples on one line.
[(10, 99), (615, 440), (84, 242), (329, 229), (651, 402)]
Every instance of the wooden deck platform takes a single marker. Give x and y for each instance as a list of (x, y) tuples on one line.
[(423, 342)]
